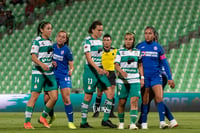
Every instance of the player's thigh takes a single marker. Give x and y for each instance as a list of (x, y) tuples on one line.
[(122, 91), (64, 82), (156, 80), (103, 83), (37, 83), (50, 83), (112, 77), (89, 81), (134, 90)]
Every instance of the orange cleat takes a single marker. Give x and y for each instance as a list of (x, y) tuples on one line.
[(44, 122), (28, 126)]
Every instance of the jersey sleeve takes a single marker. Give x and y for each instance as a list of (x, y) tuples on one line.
[(165, 63), (69, 54), (35, 47), (118, 58), (86, 46)]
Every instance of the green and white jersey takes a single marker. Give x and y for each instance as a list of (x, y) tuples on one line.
[(44, 50), (128, 61), (95, 47)]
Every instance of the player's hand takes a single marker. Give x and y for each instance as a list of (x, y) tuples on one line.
[(141, 82), (70, 72), (44, 67), (54, 64), (123, 74), (171, 83), (106, 72), (100, 71)]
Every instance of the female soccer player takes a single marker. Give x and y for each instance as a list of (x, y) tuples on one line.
[(42, 74), (173, 123), (153, 58), (63, 68), (94, 75), (129, 66)]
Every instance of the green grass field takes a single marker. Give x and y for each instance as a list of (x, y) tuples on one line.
[(189, 122)]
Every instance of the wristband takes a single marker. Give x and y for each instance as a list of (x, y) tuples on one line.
[(142, 77)]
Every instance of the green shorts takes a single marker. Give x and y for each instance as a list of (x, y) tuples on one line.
[(91, 80), (125, 90), (47, 81)]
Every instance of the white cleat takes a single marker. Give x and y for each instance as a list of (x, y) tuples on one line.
[(121, 126), (173, 123), (163, 125), (144, 126), (133, 127)]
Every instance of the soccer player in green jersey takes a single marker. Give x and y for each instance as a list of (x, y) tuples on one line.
[(130, 78), (42, 74), (94, 75)]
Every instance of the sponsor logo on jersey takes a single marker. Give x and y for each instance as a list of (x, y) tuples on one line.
[(149, 53), (62, 52)]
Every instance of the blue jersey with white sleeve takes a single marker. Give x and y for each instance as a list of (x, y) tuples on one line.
[(153, 58), (61, 56)]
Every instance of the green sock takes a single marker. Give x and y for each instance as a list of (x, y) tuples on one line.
[(133, 116), (121, 117), (45, 112), (107, 109), (84, 111), (28, 114)]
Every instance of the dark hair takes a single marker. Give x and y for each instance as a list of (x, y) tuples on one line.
[(41, 26), (133, 34), (152, 28), (156, 36), (67, 37), (94, 25), (107, 35)]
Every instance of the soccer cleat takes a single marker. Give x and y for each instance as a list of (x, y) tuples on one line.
[(121, 126), (71, 125), (163, 125), (52, 118), (133, 127), (96, 114), (144, 126), (173, 123), (85, 125), (44, 122), (108, 123), (28, 126), (139, 125)]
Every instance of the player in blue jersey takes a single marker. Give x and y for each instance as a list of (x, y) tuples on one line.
[(153, 58), (168, 114), (63, 68)]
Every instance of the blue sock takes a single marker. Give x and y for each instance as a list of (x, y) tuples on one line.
[(144, 113), (168, 114), (161, 110), (140, 118), (69, 112)]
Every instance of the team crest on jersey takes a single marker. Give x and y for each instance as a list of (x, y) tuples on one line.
[(155, 48), (85, 46), (62, 52)]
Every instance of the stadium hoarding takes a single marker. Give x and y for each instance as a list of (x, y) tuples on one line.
[(179, 102)]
